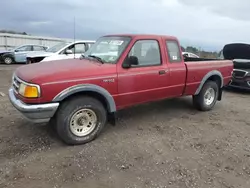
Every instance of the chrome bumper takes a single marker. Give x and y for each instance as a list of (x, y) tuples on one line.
[(37, 113)]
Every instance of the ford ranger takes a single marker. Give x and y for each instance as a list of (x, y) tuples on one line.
[(80, 95)]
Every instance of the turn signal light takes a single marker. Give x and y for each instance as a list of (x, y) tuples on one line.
[(28, 91)]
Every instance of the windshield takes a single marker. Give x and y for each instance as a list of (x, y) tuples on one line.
[(220, 55), (57, 47), (109, 49)]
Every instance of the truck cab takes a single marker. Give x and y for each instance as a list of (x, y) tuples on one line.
[(80, 95)]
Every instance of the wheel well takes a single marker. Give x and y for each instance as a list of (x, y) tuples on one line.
[(93, 94), (7, 55), (216, 79)]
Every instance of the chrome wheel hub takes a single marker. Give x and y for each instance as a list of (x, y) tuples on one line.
[(83, 122), (209, 96), (8, 60)]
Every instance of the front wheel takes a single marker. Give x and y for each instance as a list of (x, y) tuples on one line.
[(8, 60), (80, 120), (207, 97)]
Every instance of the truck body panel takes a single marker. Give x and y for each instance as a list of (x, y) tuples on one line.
[(171, 77), (198, 70)]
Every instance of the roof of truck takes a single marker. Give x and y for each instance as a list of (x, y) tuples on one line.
[(143, 35)]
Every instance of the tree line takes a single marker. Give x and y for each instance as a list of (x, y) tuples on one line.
[(12, 32), (200, 53)]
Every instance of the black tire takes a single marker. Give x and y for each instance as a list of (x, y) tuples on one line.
[(66, 111), (199, 100), (52, 123), (7, 59)]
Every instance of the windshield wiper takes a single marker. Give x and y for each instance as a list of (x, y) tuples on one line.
[(83, 57), (97, 58)]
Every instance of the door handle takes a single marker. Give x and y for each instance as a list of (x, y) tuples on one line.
[(162, 72)]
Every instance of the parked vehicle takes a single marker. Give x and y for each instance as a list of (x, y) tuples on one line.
[(18, 54), (63, 50), (78, 96), (189, 54), (240, 54)]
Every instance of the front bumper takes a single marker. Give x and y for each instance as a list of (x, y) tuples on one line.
[(37, 113), (240, 84)]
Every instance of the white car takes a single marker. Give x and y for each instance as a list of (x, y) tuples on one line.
[(63, 50), (189, 54)]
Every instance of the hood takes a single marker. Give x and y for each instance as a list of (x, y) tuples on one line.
[(39, 54), (239, 53), (63, 70), (5, 51), (236, 51)]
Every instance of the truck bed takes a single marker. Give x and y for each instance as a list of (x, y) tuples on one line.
[(188, 59), (196, 70)]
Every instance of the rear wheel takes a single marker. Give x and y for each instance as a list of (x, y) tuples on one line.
[(207, 97), (80, 120)]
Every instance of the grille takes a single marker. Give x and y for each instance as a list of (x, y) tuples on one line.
[(16, 84), (239, 73)]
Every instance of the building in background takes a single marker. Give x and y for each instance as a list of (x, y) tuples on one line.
[(9, 41)]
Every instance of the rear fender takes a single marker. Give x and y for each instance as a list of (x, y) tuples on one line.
[(87, 87), (206, 77)]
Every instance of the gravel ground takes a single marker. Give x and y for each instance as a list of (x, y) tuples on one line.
[(164, 144)]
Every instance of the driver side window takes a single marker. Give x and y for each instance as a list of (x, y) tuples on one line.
[(147, 52), (24, 48), (79, 48), (76, 48)]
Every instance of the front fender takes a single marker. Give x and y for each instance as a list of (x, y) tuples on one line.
[(84, 88), (8, 54)]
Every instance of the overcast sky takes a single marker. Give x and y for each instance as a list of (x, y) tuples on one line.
[(209, 24)]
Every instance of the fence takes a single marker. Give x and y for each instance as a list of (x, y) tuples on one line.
[(8, 41)]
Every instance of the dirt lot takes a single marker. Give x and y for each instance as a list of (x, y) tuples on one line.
[(165, 144)]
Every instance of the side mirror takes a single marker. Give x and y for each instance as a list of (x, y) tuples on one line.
[(68, 52), (129, 61), (16, 50)]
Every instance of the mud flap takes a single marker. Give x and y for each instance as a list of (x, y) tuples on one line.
[(112, 118), (220, 94)]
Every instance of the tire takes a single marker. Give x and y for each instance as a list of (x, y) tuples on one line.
[(68, 111), (8, 59), (52, 123), (200, 101)]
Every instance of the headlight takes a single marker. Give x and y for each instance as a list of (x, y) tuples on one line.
[(29, 90)]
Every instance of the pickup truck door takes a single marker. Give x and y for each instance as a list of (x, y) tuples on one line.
[(147, 81), (177, 68)]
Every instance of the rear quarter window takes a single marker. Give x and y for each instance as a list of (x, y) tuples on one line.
[(173, 51)]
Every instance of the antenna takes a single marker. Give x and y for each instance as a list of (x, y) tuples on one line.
[(74, 36)]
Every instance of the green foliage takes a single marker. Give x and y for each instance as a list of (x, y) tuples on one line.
[(202, 53), (192, 49)]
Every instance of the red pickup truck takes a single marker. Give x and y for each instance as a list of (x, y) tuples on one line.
[(80, 95)]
